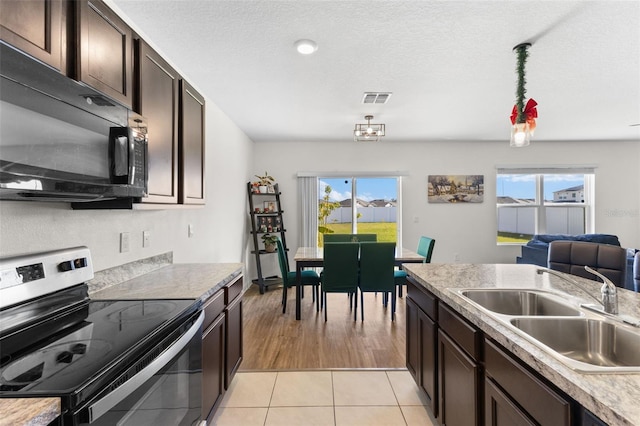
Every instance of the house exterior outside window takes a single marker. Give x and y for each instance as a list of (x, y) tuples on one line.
[(543, 201)]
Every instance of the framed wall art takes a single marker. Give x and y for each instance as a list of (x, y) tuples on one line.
[(455, 188)]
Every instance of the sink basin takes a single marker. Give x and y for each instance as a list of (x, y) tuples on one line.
[(520, 302), (601, 345)]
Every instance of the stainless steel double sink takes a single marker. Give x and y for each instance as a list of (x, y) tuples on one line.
[(582, 340)]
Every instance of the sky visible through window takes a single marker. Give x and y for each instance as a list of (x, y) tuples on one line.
[(524, 186), (368, 188)]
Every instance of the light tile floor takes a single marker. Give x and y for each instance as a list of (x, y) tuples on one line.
[(333, 398)]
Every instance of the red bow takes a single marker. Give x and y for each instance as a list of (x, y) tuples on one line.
[(530, 113)]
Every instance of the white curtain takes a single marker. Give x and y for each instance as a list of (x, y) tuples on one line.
[(308, 196)]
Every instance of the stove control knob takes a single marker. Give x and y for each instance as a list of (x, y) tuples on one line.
[(79, 348), (65, 357), (66, 266)]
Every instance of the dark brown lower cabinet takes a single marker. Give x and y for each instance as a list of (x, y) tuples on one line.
[(458, 378), (213, 367), (428, 374), (499, 410), (221, 345), (421, 345), (413, 340), (520, 387), (471, 379), (233, 340)]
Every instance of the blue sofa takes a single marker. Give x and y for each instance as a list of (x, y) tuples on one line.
[(536, 250)]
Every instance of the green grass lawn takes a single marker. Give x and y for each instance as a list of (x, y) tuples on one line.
[(506, 237), (386, 231)]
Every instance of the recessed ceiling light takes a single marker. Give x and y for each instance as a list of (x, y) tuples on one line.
[(306, 47)]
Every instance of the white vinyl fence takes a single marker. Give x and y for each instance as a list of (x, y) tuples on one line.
[(560, 220), (367, 214)]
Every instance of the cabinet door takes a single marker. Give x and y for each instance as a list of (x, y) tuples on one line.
[(157, 101), (191, 142), (105, 51), (428, 347), (541, 403), (233, 339), (213, 367), (37, 28), (458, 377), (499, 410), (413, 341)]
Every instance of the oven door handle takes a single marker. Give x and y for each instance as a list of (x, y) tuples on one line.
[(106, 403)]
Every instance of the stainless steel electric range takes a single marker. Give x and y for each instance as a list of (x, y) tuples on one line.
[(112, 362)]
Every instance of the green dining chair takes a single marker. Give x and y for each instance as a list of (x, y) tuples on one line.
[(425, 248), (308, 277), (340, 272), (349, 238), (377, 272)]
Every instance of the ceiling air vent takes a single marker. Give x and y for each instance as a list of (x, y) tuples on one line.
[(376, 97)]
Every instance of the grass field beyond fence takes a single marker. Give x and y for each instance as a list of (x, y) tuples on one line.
[(509, 237), (386, 231)]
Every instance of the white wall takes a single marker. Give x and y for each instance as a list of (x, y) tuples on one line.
[(468, 230), (220, 227)]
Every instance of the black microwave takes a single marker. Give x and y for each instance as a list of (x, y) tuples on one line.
[(61, 140)]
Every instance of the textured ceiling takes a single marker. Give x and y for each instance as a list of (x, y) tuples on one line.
[(449, 64)]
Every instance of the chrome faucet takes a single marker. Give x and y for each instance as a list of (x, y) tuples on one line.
[(608, 290)]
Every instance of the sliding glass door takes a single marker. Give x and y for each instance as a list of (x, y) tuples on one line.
[(359, 205)]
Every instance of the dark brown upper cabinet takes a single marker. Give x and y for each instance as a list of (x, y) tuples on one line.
[(192, 143), (36, 27), (105, 51), (158, 100)]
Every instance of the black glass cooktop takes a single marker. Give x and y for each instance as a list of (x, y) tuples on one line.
[(103, 334)]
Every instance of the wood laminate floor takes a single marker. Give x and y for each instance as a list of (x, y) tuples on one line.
[(276, 341)]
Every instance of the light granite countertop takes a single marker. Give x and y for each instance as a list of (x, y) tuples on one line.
[(612, 397), (174, 281), (28, 411)]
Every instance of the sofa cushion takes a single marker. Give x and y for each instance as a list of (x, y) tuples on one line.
[(572, 256), (535, 251), (541, 239)]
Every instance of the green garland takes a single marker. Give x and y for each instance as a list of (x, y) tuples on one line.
[(523, 54)]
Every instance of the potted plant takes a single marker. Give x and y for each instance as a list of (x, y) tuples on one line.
[(269, 241), (264, 182)]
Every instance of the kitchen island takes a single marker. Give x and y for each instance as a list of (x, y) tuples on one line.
[(613, 397)]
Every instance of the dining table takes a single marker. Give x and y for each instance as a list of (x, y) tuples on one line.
[(313, 257)]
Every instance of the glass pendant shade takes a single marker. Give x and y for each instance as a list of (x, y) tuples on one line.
[(520, 135)]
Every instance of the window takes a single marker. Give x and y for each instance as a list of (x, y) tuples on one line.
[(364, 205), (543, 201)]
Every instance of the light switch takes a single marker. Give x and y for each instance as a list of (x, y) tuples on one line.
[(124, 242)]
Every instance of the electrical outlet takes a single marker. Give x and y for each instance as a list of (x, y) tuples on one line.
[(416, 219), (191, 230), (124, 242), (456, 257), (145, 238)]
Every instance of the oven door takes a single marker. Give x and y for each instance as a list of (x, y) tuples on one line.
[(165, 392)]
